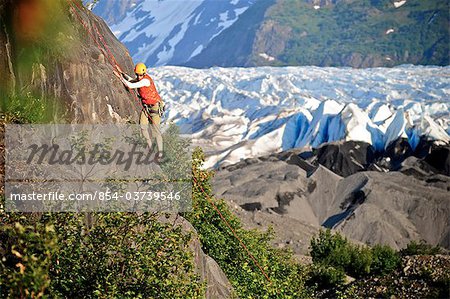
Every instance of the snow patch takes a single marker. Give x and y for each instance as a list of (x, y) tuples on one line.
[(197, 51), (225, 22), (389, 31), (397, 4), (266, 57), (155, 20)]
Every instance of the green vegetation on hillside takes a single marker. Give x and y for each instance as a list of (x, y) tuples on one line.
[(94, 255), (139, 255), (354, 33), (380, 271), (287, 277)]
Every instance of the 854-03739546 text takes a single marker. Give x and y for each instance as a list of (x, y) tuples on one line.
[(106, 195), (82, 168)]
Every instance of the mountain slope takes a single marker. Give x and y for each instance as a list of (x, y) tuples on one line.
[(170, 32), (345, 33), (233, 46), (205, 33), (372, 207)]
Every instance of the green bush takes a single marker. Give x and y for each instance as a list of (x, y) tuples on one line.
[(384, 260), (102, 255), (330, 248), (420, 248), (287, 277), (125, 255), (325, 277), (333, 250), (26, 253), (361, 261)]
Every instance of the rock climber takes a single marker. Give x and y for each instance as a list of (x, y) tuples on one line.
[(151, 102)]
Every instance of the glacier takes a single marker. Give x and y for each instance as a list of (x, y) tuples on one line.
[(237, 113)]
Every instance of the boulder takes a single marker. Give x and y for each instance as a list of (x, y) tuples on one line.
[(346, 158)]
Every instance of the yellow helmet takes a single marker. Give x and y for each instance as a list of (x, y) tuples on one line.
[(140, 69)]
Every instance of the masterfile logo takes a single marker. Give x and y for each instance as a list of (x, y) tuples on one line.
[(95, 168)]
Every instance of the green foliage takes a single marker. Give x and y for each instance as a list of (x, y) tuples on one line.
[(102, 255), (178, 157), (325, 277), (334, 35), (287, 277), (420, 248), (333, 250), (27, 108), (26, 253), (384, 259), (361, 261), (328, 248), (125, 255)]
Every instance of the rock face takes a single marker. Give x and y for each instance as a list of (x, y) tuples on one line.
[(62, 62), (81, 81), (346, 158), (372, 207), (217, 284)]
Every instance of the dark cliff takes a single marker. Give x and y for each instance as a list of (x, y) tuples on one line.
[(46, 51)]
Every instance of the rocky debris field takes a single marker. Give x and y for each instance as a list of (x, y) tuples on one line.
[(296, 195), (419, 277)]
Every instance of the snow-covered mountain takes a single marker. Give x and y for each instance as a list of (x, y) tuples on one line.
[(161, 32), (205, 33), (246, 112)]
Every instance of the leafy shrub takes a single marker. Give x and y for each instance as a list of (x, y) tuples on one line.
[(325, 277), (384, 259), (333, 250), (361, 261), (287, 276), (102, 255), (420, 248), (26, 253), (330, 248)]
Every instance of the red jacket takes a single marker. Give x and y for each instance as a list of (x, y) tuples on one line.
[(149, 94)]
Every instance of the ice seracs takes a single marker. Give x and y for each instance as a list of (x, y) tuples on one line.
[(237, 113)]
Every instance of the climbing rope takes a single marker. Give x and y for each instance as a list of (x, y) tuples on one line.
[(110, 56), (114, 64)]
